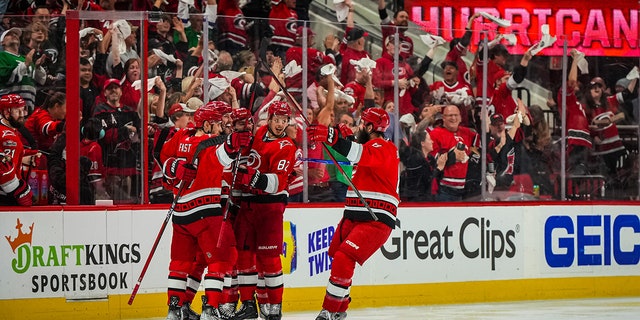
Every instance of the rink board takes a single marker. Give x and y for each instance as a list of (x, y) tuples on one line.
[(83, 264)]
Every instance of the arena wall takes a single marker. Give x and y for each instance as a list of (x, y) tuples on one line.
[(83, 264)]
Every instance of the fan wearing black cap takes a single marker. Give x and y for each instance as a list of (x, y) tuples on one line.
[(352, 51)]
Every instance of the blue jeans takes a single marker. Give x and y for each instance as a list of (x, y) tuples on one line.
[(339, 190)]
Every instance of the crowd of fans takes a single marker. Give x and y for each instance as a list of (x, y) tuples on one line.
[(253, 48)]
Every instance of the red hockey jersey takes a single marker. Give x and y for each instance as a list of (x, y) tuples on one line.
[(377, 186), (274, 158), (577, 129), (455, 175), (42, 127), (202, 197), (283, 23)]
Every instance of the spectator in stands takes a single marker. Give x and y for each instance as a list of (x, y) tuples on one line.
[(90, 42), (603, 113), (388, 26), (132, 72), (502, 101), (630, 108), (36, 37), (539, 150), (91, 132), (315, 59), (332, 48), (89, 91), (16, 72), (357, 88), (232, 26), (121, 33), (121, 124), (504, 148), (450, 90), (169, 37), (458, 143), (48, 121), (427, 117), (498, 56), (458, 49), (353, 51), (383, 77), (282, 21), (420, 168), (579, 141)]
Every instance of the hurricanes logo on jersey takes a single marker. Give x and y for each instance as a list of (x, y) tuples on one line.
[(239, 22), (254, 160), (292, 26), (284, 143)]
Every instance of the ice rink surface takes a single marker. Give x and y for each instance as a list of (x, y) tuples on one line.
[(590, 309)]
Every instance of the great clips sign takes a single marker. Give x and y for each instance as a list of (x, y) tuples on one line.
[(608, 28)]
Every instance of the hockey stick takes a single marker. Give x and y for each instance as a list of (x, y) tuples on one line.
[(227, 205), (345, 163), (155, 244), (324, 145), (201, 146)]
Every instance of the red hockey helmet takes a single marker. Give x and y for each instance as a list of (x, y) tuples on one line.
[(13, 100), (377, 117), (208, 112), (222, 107), (240, 114), (279, 108)]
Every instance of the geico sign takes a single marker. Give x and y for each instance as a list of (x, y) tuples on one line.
[(592, 240), (476, 239)]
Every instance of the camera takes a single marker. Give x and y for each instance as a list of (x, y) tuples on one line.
[(460, 146), (155, 16)]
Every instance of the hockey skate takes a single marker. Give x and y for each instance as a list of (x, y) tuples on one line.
[(209, 312), (227, 310), (247, 311), (188, 313), (264, 310), (175, 311), (326, 315), (275, 312)]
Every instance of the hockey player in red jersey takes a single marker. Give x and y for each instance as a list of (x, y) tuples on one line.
[(359, 235), (13, 189), (241, 121), (259, 223), (197, 218)]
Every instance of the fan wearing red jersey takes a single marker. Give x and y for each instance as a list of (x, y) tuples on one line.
[(258, 225), (197, 218), (457, 142), (359, 235), (13, 189)]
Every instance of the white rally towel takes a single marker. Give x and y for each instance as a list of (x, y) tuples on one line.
[(501, 22)]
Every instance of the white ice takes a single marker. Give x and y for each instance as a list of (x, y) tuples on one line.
[(583, 309)]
